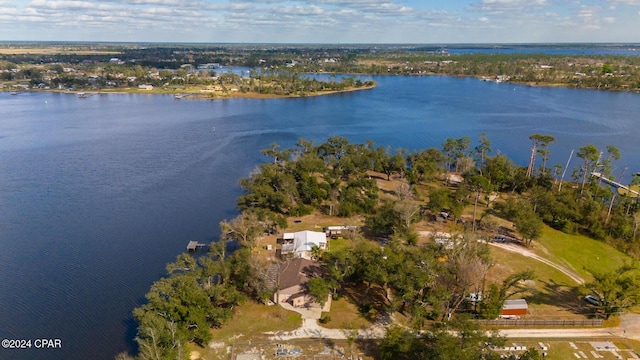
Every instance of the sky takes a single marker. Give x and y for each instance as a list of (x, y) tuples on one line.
[(322, 21)]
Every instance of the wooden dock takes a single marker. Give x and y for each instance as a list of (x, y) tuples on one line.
[(194, 245)]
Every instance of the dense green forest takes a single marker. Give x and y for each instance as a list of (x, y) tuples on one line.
[(427, 283), (334, 177)]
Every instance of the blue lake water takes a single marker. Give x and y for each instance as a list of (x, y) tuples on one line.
[(98, 194), (631, 49)]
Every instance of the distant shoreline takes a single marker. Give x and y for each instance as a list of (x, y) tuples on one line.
[(195, 95), (199, 94)]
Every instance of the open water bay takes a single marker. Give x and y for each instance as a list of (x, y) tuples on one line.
[(98, 194)]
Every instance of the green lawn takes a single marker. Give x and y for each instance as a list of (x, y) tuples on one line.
[(579, 252), (339, 244), (252, 319), (553, 294), (507, 263), (344, 315), (248, 324)]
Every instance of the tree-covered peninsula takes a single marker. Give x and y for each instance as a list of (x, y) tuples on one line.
[(417, 249)]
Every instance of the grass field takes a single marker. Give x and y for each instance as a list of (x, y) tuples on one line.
[(249, 323), (553, 294), (580, 253), (344, 315), (252, 319)]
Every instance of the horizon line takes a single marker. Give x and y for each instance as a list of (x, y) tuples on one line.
[(560, 43)]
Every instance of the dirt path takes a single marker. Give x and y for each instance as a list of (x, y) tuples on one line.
[(524, 252)]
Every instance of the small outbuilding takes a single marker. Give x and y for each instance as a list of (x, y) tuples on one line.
[(339, 230), (514, 308)]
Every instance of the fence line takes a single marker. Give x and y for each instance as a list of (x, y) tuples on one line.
[(541, 322)]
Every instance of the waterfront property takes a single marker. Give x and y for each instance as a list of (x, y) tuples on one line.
[(152, 173)]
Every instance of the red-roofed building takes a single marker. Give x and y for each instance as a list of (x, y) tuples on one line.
[(514, 308)]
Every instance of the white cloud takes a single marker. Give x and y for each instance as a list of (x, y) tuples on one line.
[(502, 6), (586, 12), (61, 5), (625, 2), (506, 13), (318, 20)]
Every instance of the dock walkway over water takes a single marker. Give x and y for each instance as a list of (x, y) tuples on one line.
[(194, 245), (614, 183)]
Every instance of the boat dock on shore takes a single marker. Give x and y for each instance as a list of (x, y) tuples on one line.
[(614, 183), (194, 245)]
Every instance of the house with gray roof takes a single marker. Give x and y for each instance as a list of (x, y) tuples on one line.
[(292, 283), (300, 243)]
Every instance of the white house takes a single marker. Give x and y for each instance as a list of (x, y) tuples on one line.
[(300, 243)]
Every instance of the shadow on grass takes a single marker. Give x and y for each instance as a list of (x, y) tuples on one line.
[(562, 296), (368, 347), (370, 301)]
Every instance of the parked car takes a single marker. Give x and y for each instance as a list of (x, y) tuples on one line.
[(500, 239), (593, 300), (474, 297)]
